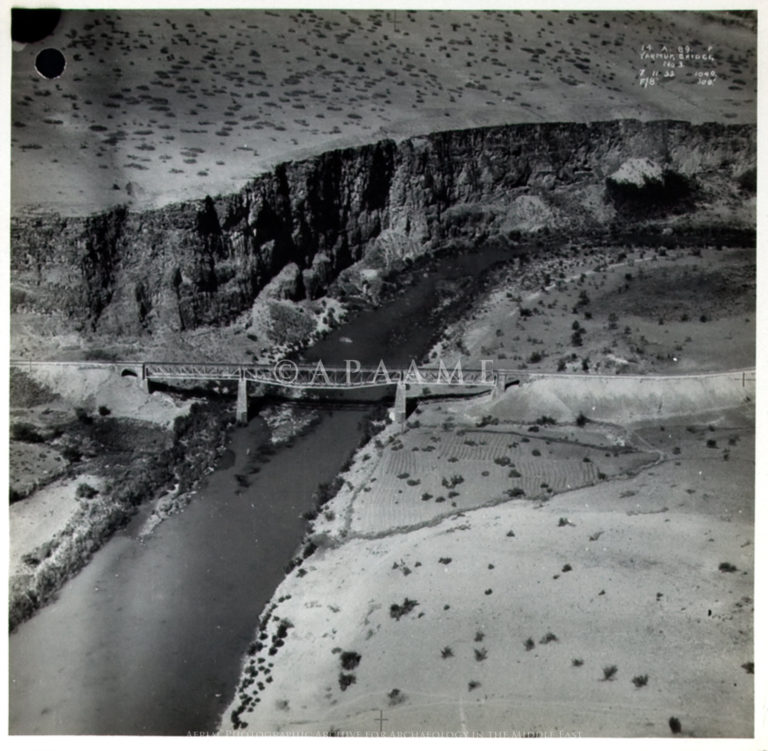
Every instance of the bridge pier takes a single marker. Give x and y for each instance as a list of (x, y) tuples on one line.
[(499, 384), (146, 386), (400, 404), (242, 402)]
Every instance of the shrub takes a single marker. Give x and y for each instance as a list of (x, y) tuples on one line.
[(398, 611), (83, 416), (609, 672), (727, 567), (446, 652), (395, 696), (453, 481), (529, 644), (84, 490), (349, 660), (23, 431), (640, 680), (104, 410), (748, 180), (581, 420), (472, 685), (481, 654), (547, 638), (346, 680), (577, 662), (71, 454)]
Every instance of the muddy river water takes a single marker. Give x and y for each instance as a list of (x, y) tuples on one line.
[(148, 638)]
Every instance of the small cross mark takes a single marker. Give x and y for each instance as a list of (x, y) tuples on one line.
[(381, 720)]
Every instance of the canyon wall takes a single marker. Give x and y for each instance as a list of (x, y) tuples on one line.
[(203, 262)]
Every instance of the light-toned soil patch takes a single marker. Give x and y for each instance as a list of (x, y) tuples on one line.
[(621, 398), (429, 470), (90, 387), (38, 519)]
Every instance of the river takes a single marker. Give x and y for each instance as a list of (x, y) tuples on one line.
[(148, 638)]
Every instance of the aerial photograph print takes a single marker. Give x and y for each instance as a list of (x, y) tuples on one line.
[(383, 372)]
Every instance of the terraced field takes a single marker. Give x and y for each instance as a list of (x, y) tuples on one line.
[(428, 472)]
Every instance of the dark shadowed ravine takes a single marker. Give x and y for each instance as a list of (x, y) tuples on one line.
[(149, 637)]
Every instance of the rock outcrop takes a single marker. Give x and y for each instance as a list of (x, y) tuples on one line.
[(204, 262)]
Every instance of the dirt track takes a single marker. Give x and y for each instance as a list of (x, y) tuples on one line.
[(622, 399)]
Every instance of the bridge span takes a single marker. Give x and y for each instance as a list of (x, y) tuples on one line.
[(295, 375), (289, 374)]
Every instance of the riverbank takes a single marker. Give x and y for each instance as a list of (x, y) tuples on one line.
[(107, 433), (453, 606), (111, 465), (662, 492)]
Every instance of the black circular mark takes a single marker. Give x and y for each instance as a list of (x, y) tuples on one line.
[(33, 24), (50, 63)]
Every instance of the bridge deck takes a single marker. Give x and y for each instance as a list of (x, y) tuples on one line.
[(288, 374), (317, 376)]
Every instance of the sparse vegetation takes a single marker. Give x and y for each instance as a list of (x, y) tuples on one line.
[(86, 491), (349, 660), (398, 611)]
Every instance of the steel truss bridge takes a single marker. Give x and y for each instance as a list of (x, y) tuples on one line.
[(289, 374)]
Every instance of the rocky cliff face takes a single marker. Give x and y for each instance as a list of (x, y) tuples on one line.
[(204, 262)]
